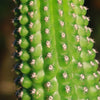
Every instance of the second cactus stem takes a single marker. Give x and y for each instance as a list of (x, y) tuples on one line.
[(56, 59)]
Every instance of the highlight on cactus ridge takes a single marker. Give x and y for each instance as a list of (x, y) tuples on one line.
[(54, 54)]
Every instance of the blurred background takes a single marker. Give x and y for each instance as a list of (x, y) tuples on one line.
[(7, 75)]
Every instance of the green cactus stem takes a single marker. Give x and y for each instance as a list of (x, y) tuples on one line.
[(56, 59)]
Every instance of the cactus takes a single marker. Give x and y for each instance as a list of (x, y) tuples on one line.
[(56, 59)]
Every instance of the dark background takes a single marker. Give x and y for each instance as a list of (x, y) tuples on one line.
[(7, 75)]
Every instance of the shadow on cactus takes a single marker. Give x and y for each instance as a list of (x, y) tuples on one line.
[(56, 59)]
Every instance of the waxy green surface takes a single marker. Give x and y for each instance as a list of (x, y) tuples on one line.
[(57, 59)]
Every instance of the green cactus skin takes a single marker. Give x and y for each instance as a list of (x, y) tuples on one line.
[(56, 59)]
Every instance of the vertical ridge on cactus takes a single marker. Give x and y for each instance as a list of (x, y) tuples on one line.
[(56, 59)]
